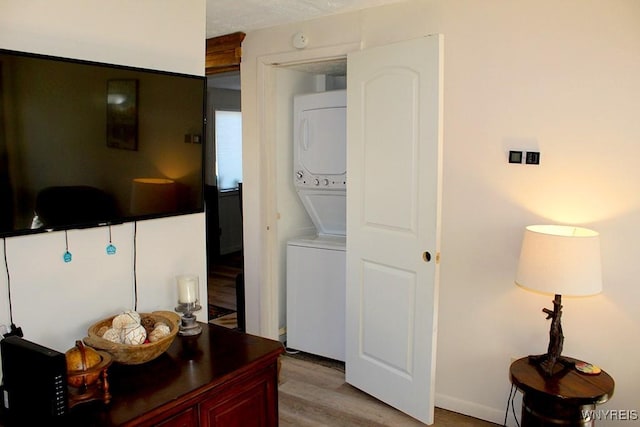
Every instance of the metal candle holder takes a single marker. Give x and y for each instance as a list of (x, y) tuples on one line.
[(188, 324), (188, 302)]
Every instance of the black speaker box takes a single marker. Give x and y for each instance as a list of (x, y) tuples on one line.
[(34, 383)]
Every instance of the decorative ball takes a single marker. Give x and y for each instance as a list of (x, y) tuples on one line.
[(162, 325), (148, 322), (134, 335), (135, 315), (160, 331), (82, 358), (112, 335), (126, 319)]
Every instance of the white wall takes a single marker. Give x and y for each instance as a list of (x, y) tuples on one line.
[(557, 77), (55, 302)]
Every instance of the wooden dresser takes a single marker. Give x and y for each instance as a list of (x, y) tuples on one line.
[(219, 378)]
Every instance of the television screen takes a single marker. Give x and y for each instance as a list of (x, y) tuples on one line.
[(84, 143)]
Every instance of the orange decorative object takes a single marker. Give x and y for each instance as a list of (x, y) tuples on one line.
[(82, 359), (87, 374)]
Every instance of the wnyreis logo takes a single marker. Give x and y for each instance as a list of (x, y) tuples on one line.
[(610, 415)]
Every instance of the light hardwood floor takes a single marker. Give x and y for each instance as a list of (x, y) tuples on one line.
[(221, 290), (312, 391), (312, 394), (221, 286)]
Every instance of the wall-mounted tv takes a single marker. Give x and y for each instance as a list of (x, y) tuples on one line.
[(85, 144)]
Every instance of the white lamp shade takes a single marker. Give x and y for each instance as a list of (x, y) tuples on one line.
[(152, 195), (559, 259)]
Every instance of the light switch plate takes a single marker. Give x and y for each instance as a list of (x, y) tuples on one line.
[(515, 156)]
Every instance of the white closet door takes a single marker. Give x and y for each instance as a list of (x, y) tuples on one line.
[(394, 134)]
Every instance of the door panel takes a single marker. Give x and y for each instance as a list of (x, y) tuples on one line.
[(391, 139), (393, 161), (384, 286)]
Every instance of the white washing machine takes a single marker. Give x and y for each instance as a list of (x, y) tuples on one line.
[(316, 270), (316, 265)]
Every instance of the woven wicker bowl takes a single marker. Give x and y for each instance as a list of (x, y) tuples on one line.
[(134, 354)]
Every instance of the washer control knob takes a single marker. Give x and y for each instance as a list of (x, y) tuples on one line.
[(316, 181), (299, 174), (325, 181)]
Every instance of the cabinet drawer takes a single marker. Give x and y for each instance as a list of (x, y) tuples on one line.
[(250, 403), (186, 418)]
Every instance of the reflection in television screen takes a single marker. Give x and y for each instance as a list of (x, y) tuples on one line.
[(85, 143)]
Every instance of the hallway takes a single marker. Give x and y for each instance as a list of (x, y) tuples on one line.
[(221, 290)]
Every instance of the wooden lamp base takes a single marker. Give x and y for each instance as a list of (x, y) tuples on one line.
[(552, 362)]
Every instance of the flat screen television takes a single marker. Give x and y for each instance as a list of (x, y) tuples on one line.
[(84, 144)]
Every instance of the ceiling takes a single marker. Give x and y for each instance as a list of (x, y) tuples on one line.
[(230, 16)]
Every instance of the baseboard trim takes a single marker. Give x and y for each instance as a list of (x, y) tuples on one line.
[(470, 408)]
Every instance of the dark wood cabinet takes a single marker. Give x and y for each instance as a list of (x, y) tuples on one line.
[(186, 418), (222, 378), (246, 404)]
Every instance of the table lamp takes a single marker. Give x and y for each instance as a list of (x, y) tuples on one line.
[(559, 260)]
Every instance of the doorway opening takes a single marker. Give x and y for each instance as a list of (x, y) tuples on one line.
[(290, 78), (223, 196)]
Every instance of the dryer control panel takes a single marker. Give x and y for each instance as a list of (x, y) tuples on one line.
[(303, 179)]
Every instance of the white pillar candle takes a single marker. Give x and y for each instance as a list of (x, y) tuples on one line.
[(187, 289)]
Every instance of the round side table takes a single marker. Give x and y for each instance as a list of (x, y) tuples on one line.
[(564, 399)]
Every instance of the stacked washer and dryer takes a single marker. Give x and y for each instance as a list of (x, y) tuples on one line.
[(316, 264)]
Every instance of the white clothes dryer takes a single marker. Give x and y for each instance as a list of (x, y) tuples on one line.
[(320, 158)]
